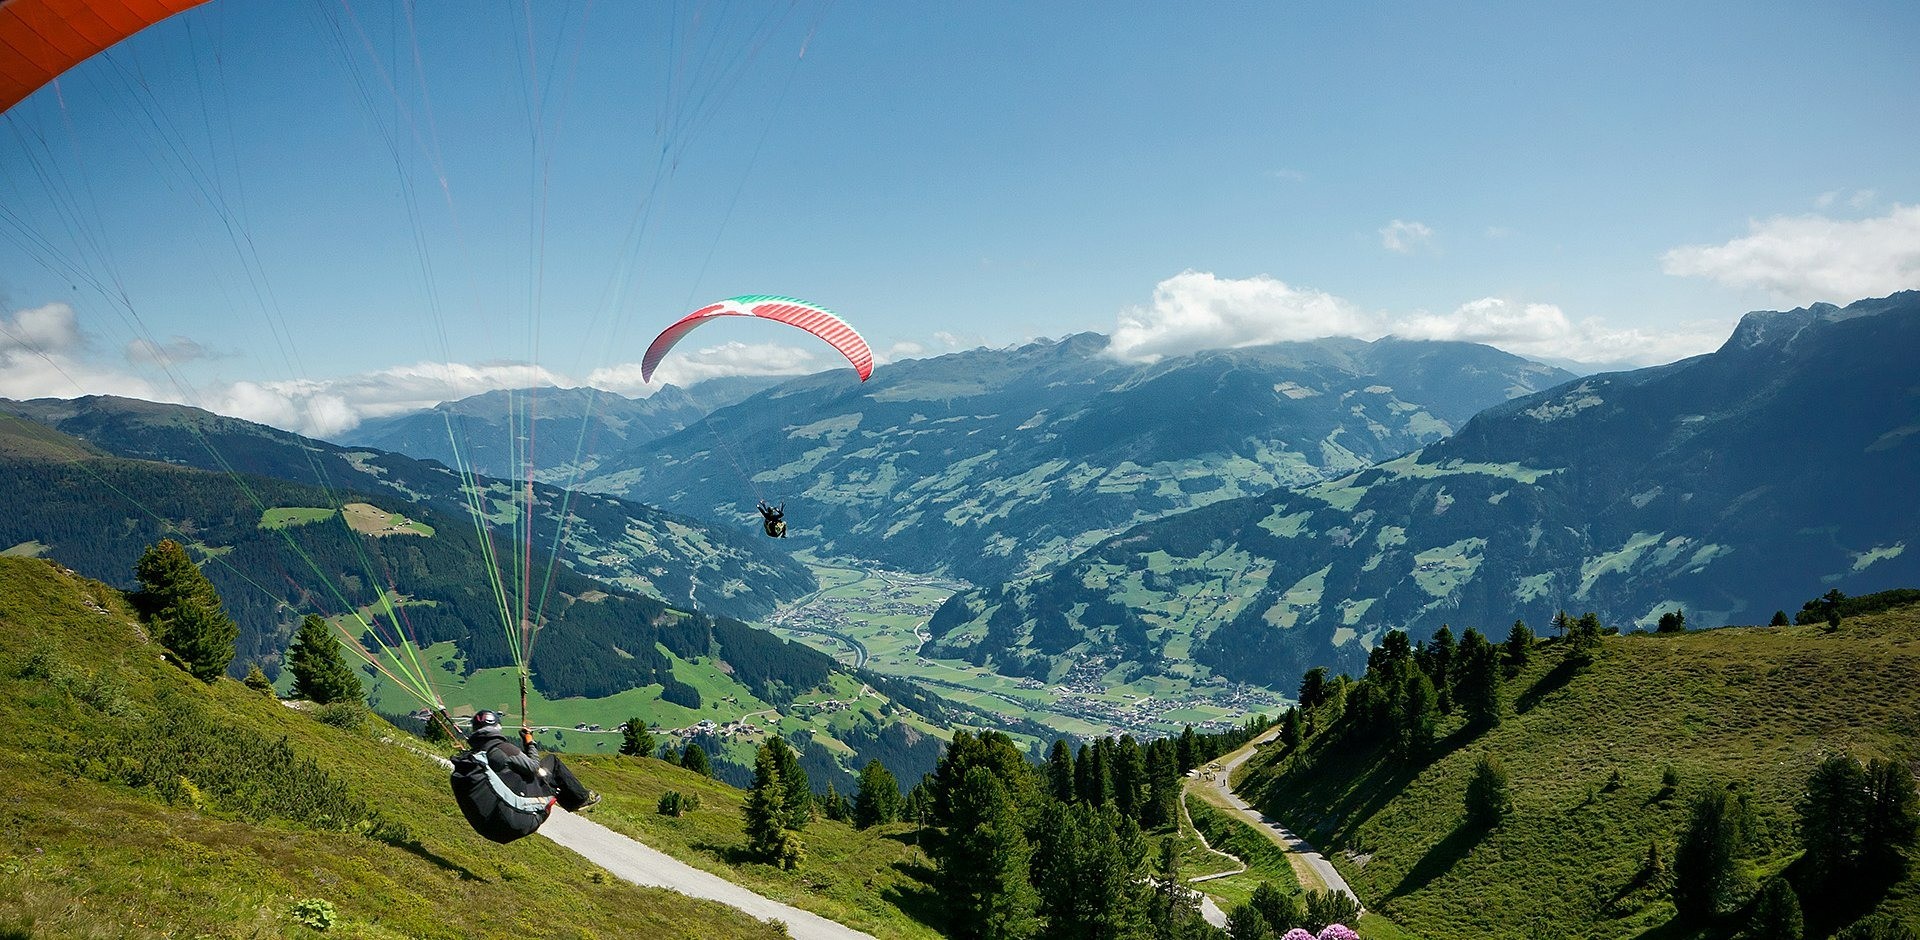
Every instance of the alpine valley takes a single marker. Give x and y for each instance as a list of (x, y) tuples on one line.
[(1775, 469)]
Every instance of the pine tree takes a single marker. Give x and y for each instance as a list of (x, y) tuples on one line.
[(1281, 911), (981, 859), (766, 811), (1831, 815), (1244, 922), (1175, 907), (185, 610), (878, 800), (832, 805), (1163, 786), (1704, 876), (320, 674), (1088, 864), (694, 758), (1673, 621), (1779, 619), (1891, 821), (1187, 750), (1439, 667), (257, 680), (1416, 714), (1089, 776), (1060, 772), (1291, 733), (635, 739), (1313, 688), (1776, 915), (1584, 640), (1056, 849), (1477, 686), (1129, 777), (919, 807), (799, 792), (1518, 649), (1330, 907), (1488, 799)]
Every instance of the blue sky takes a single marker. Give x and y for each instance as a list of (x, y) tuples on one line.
[(259, 182)]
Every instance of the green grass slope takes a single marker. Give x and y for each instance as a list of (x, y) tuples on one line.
[(141, 803), (874, 880), (1757, 707)]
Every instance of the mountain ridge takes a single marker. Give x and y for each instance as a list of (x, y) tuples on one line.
[(1623, 493), (990, 463)]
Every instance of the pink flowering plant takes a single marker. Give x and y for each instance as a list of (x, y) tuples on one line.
[(1337, 932), (1297, 933)]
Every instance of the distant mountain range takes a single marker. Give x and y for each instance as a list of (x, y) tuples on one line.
[(570, 428), (992, 464), (1783, 465), (682, 561)]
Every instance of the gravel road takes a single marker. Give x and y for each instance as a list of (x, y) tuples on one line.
[(632, 861)]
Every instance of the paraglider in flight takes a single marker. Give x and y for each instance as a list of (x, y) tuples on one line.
[(39, 39), (774, 518), (507, 791), (792, 311)]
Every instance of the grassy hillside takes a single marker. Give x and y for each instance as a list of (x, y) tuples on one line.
[(1748, 706), (873, 880), (143, 803)]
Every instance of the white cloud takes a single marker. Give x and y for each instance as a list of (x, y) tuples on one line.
[(41, 356), (326, 407), (1291, 176), (1813, 257), (1195, 310), (904, 349), (1403, 236), (174, 352), (688, 366), (50, 330), (1545, 331)]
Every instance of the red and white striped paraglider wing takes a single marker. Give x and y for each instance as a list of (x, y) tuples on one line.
[(792, 311)]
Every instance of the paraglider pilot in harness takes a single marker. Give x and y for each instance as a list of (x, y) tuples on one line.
[(774, 518), (526, 762)]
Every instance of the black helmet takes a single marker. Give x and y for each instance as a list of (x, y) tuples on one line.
[(483, 718)]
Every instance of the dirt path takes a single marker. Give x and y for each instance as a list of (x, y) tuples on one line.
[(1312, 868), (635, 862)]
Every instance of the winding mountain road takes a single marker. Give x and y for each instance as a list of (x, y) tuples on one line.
[(1312, 868), (642, 865)]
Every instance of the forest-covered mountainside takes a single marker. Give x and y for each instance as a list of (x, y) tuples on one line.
[(680, 560), (992, 463), (1780, 466)]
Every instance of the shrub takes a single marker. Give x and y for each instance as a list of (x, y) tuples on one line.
[(257, 680), (315, 913), (675, 803), (347, 716)]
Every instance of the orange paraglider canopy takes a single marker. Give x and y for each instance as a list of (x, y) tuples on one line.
[(39, 39)]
